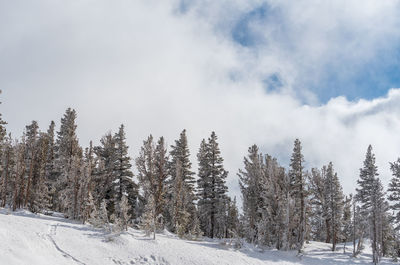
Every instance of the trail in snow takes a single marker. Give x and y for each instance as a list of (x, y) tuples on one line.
[(53, 232)]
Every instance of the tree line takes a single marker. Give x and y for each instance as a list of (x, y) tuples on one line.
[(283, 208)]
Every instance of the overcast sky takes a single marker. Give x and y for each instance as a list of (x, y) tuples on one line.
[(254, 71)]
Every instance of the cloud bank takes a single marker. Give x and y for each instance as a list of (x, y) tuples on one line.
[(161, 66)]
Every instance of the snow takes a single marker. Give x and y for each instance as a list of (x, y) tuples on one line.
[(27, 238)]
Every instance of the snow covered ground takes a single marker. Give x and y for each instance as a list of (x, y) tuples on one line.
[(26, 238)]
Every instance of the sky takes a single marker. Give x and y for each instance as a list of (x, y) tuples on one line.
[(254, 71)]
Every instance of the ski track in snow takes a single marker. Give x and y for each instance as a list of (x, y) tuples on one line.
[(53, 232)]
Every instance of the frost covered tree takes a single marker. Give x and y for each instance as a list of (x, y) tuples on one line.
[(40, 199), (212, 189), (318, 220), (180, 154), (298, 185), (67, 156), (394, 193), (32, 134), (370, 196), (347, 222), (104, 175), (267, 202), (334, 202), (7, 164), (18, 174), (123, 184), (152, 173), (250, 185)]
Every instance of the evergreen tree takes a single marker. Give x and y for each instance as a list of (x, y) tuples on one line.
[(180, 152), (212, 188), (104, 176), (334, 201), (394, 193), (152, 168), (32, 134), (180, 214), (319, 222), (123, 182), (347, 224), (67, 155), (7, 165), (297, 180), (250, 185), (371, 198)]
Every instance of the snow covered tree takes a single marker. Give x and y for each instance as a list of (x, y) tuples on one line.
[(18, 174), (297, 179), (32, 134), (87, 202), (212, 189), (7, 165), (152, 172), (67, 156), (50, 172), (123, 183), (180, 214), (180, 152), (319, 208), (249, 181), (394, 193), (347, 225), (371, 198), (104, 175), (334, 201), (40, 200)]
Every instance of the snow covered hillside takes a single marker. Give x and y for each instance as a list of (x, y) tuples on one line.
[(27, 238)]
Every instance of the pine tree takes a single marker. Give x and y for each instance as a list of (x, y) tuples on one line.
[(7, 165), (104, 174), (161, 174), (180, 214), (50, 167), (87, 201), (180, 152), (123, 184), (347, 224), (212, 189), (3, 131), (40, 200), (152, 168), (32, 134), (297, 179), (319, 222), (19, 172), (371, 198), (334, 201), (250, 184), (67, 156), (394, 193)]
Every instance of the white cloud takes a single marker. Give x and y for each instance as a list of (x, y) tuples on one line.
[(143, 64)]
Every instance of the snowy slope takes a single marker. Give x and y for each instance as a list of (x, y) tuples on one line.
[(26, 238)]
